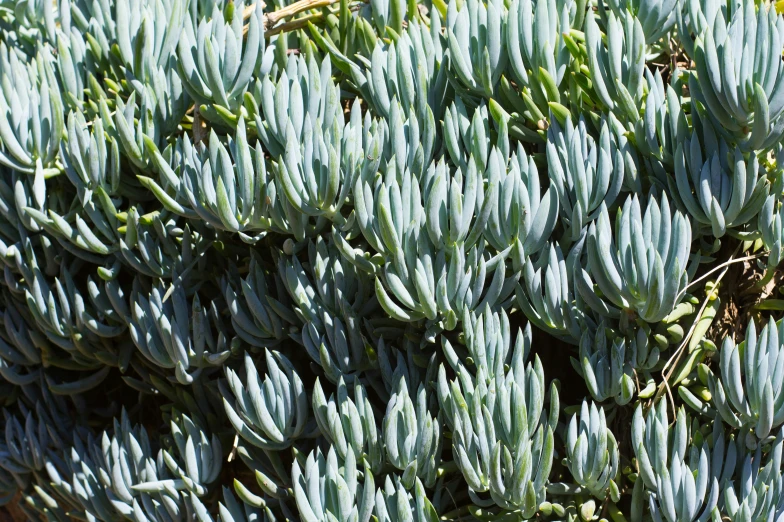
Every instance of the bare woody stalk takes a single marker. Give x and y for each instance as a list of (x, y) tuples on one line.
[(271, 19)]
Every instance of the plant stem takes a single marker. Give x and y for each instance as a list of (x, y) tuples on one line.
[(270, 19), (673, 361)]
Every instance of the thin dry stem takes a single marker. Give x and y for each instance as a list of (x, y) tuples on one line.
[(271, 19), (671, 364)]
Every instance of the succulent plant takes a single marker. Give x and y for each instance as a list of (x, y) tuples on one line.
[(409, 70), (488, 341), (605, 367), (682, 488), (771, 227), (267, 413), (230, 510), (757, 493), (330, 298), (547, 296), (25, 446), (137, 483), (718, 185), (501, 436), (412, 436), (199, 451), (80, 479), (227, 191), (694, 17), (618, 86), (304, 89), (641, 266), (656, 18), (586, 174), (92, 165), (255, 307), (215, 60), (395, 504), (538, 55), (476, 44), (467, 137), (329, 489), (748, 393), (143, 57), (592, 451), (348, 424), (318, 169), (737, 80), (173, 333), (256, 256), (521, 217), (75, 67), (663, 126), (31, 113)]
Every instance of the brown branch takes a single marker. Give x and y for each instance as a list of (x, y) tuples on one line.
[(293, 25), (271, 19)]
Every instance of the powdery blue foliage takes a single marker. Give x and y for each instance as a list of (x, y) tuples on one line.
[(399, 261)]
